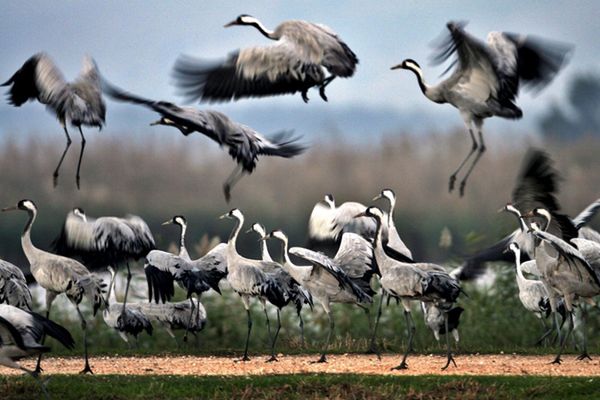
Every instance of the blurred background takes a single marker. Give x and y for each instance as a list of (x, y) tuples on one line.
[(377, 130)]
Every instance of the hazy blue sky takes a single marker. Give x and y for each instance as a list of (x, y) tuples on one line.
[(136, 42)]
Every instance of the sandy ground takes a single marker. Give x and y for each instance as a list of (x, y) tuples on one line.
[(363, 364)]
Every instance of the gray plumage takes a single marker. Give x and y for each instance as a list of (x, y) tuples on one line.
[(78, 102), (126, 320), (328, 222), (294, 63), (413, 281), (182, 315), (532, 293), (58, 274), (487, 77), (22, 332), (13, 286), (243, 143), (434, 318), (247, 277), (325, 279)]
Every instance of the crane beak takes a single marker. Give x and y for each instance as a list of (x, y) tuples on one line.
[(232, 23), (360, 215), (223, 216), (397, 66), (501, 210), (13, 208), (248, 231), (156, 123), (167, 222), (379, 196)]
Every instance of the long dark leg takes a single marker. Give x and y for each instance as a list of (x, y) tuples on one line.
[(80, 157), (584, 353), (235, 176), (450, 358), (127, 286), (268, 323), (187, 328), (246, 358), (474, 147), (558, 326), (564, 340), (410, 326), (373, 343), (547, 332), (481, 149), (62, 158), (302, 344), (273, 357), (86, 368), (325, 82), (331, 328), (49, 301)]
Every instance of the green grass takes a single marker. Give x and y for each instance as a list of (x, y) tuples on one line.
[(302, 387)]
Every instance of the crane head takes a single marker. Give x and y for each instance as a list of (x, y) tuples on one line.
[(386, 194), (330, 200), (514, 247), (25, 205), (243, 19), (258, 228), (409, 63), (176, 220), (372, 212), (277, 234), (234, 213)]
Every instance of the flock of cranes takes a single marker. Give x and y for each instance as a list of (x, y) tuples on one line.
[(560, 252)]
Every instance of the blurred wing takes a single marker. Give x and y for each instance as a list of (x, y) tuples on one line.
[(355, 256), (252, 72), (38, 79), (9, 335), (143, 240), (587, 214)]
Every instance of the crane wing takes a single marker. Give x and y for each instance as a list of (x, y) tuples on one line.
[(38, 78), (253, 72), (586, 214), (10, 335), (355, 256)]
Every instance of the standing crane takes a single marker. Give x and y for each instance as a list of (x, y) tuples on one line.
[(13, 287), (297, 294), (325, 279), (487, 78), (565, 272), (294, 63), (104, 241), (21, 334), (58, 274), (425, 282), (181, 222), (78, 102), (248, 279), (243, 143)]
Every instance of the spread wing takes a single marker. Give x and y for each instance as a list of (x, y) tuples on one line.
[(253, 72)]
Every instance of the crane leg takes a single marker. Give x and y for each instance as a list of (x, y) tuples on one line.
[(302, 344), (187, 328), (474, 147), (584, 355), (481, 150), (373, 343), (547, 332), (77, 178), (126, 287), (246, 358), (558, 326), (62, 158), (232, 179), (49, 300), (86, 368), (273, 357), (411, 333), (268, 322), (325, 82), (323, 357), (305, 95), (450, 358), (564, 340)]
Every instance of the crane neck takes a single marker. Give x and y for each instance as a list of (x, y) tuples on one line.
[(522, 224), (111, 296), (234, 233), (266, 256), (378, 250), (266, 32), (427, 90), (391, 212), (518, 266), (182, 248), (28, 248)]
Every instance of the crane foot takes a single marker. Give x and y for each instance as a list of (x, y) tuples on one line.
[(584, 356), (86, 370), (374, 350), (322, 359), (322, 93), (451, 183), (272, 359), (403, 365), (557, 360), (450, 360), (305, 96), (243, 359)]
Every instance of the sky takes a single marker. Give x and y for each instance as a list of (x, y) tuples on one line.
[(135, 44)]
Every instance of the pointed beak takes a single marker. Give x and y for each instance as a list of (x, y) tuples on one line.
[(167, 222), (360, 215), (13, 208), (248, 230), (223, 216), (155, 123), (232, 23), (396, 66), (506, 250), (501, 210), (379, 196)]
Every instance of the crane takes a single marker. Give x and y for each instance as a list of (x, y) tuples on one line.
[(294, 63), (13, 287), (487, 78), (78, 103), (58, 274), (243, 143), (325, 279)]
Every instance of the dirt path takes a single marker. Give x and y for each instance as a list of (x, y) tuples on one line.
[(363, 364)]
